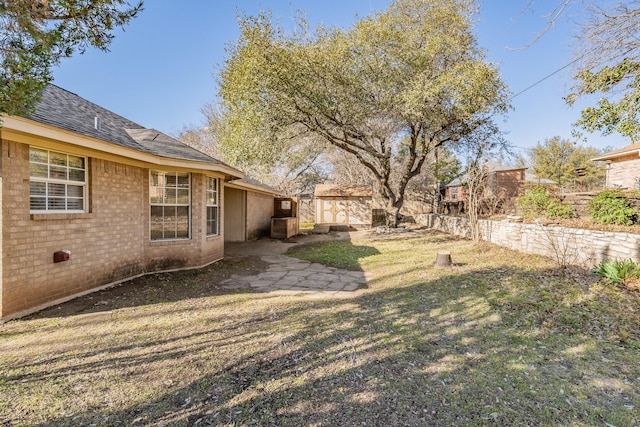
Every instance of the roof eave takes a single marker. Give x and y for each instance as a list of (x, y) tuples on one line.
[(25, 126), (249, 186), (615, 156)]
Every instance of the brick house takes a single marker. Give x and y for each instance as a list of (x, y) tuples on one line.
[(90, 199), (623, 169), (502, 182)]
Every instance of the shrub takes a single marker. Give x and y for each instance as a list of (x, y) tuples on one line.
[(557, 209), (538, 201), (612, 207), (534, 201), (618, 271)]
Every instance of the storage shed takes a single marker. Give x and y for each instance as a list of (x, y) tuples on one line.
[(343, 205)]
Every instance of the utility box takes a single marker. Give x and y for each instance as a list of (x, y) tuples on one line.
[(285, 222), (60, 256)]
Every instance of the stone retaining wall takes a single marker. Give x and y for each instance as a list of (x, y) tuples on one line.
[(567, 246)]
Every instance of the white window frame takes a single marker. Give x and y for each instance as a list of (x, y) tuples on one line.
[(213, 203), (166, 197), (63, 184)]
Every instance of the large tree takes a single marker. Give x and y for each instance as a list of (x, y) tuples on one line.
[(36, 34), (608, 55), (564, 161), (413, 71)]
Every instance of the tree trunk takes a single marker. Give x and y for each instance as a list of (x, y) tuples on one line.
[(443, 259), (392, 212)]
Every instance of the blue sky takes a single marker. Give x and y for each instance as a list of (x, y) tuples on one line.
[(160, 70)]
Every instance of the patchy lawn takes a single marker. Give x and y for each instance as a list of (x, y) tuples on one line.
[(501, 338)]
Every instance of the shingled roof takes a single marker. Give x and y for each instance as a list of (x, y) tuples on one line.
[(622, 152), (66, 110)]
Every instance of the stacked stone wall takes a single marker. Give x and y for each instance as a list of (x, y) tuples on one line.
[(565, 245)]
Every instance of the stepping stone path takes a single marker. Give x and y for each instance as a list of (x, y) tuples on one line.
[(291, 276)]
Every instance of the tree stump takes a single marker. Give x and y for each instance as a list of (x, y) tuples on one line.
[(443, 259)]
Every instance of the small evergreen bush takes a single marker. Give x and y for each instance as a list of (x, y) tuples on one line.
[(612, 207), (539, 201)]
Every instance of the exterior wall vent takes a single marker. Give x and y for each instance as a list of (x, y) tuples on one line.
[(97, 123)]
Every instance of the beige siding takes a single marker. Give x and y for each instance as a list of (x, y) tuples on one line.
[(107, 244), (624, 172), (355, 211)]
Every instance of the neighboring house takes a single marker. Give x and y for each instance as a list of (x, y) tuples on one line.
[(90, 199), (346, 205), (455, 190), (623, 169), (502, 182)]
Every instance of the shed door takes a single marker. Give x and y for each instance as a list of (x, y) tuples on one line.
[(334, 211)]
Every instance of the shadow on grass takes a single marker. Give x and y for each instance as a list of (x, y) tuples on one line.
[(158, 288), (462, 349)]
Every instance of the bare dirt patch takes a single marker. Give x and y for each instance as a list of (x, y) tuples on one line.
[(159, 288)]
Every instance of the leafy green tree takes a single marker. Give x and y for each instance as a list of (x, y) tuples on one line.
[(559, 159), (609, 65), (446, 166), (36, 34), (411, 71)]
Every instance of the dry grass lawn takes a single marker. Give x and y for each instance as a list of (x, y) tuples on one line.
[(501, 338)]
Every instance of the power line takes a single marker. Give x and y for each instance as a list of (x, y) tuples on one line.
[(546, 77)]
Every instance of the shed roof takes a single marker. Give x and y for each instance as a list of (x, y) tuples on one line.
[(624, 151), (336, 190)]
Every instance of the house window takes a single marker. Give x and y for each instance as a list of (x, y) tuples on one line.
[(58, 182), (454, 193), (169, 198), (212, 206)]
